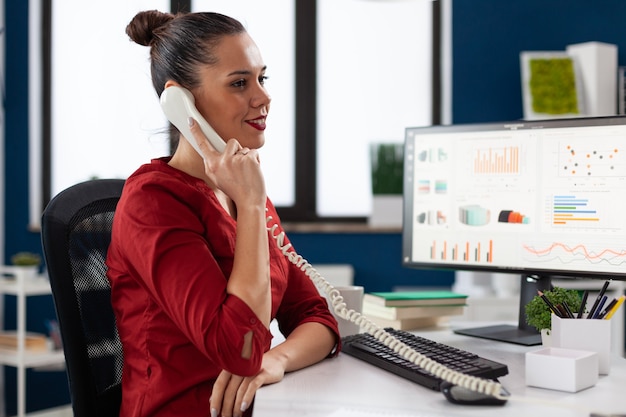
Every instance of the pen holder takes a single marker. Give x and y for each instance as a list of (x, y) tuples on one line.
[(584, 334)]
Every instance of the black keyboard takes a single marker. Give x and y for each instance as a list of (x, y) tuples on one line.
[(365, 347)]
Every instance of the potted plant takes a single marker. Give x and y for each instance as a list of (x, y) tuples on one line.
[(26, 259), (27, 264), (539, 315), (387, 164)]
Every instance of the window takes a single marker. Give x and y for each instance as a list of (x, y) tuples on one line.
[(337, 86), (373, 80), (106, 119)]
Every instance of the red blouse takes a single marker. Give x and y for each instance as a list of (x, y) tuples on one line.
[(169, 261)]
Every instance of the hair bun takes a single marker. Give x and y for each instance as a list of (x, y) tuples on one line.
[(142, 28)]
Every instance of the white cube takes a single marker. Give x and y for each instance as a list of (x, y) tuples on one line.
[(597, 62), (561, 369)]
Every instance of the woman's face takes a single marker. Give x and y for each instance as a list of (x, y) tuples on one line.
[(232, 95)]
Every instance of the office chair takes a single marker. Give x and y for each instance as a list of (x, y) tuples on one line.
[(75, 234)]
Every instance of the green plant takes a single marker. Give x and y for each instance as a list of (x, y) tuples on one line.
[(539, 315), (25, 259), (387, 163)]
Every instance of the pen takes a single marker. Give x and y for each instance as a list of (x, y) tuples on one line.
[(568, 311), (619, 302), (583, 304), (607, 309), (599, 308), (549, 304), (598, 298), (562, 311)]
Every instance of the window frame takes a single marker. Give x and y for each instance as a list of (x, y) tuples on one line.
[(304, 209)]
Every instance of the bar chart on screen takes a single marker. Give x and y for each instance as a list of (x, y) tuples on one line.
[(497, 160), (462, 251)]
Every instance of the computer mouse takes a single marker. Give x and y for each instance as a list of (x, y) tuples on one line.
[(465, 396)]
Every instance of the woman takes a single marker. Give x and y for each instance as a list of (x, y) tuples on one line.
[(195, 276)]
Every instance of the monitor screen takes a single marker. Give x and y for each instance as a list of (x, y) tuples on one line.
[(542, 198)]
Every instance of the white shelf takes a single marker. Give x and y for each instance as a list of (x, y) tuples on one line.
[(37, 286), (20, 283), (33, 359)]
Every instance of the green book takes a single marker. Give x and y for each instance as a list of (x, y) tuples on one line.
[(414, 298)]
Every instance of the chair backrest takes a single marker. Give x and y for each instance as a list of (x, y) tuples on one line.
[(75, 234)]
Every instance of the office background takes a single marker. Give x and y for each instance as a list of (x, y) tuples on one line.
[(487, 36)]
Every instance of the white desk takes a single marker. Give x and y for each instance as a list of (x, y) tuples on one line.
[(346, 383)]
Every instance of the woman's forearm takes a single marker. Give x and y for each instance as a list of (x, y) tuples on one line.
[(308, 344), (250, 277)]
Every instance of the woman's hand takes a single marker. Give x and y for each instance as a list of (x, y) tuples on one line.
[(237, 171), (233, 394)]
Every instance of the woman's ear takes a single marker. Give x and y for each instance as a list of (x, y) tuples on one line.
[(170, 83)]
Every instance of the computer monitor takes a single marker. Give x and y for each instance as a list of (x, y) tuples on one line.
[(538, 199)]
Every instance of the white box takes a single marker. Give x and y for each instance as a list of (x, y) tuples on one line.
[(561, 369), (597, 62), (386, 211), (584, 334)]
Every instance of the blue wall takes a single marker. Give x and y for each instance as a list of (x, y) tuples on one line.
[(487, 37)]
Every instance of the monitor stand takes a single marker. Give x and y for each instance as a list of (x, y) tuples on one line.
[(504, 333), (523, 334)]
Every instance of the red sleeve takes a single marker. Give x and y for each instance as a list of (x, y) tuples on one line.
[(179, 247)]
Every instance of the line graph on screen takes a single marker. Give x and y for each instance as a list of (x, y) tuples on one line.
[(572, 254)]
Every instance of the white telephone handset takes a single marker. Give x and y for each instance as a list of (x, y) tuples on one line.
[(178, 105)]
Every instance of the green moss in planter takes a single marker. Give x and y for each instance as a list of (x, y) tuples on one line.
[(538, 314), (553, 86), (387, 162), (25, 259)]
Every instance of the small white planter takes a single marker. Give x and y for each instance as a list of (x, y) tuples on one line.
[(386, 211), (546, 338)]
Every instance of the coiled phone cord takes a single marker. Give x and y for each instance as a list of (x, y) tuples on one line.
[(484, 386)]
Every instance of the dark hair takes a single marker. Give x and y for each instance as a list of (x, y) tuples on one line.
[(180, 43)]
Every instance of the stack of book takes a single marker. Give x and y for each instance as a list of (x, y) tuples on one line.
[(32, 341), (408, 310)]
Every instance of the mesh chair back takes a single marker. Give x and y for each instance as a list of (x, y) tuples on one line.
[(76, 233)]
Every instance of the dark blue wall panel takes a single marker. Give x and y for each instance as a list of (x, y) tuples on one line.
[(488, 35)]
